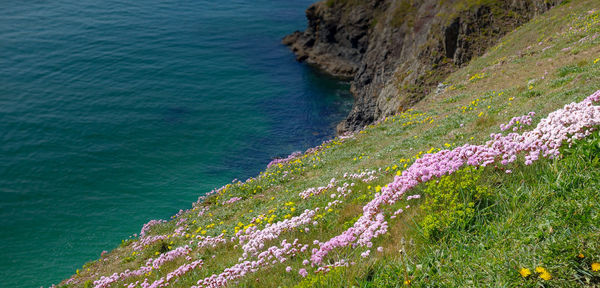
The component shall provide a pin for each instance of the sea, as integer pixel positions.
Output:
(113, 113)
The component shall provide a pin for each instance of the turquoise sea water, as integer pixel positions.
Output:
(114, 112)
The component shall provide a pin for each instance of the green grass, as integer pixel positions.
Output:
(540, 215)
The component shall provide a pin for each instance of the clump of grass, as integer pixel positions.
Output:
(530, 93)
(569, 69)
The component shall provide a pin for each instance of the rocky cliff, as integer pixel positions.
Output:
(396, 51)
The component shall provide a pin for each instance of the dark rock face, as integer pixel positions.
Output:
(397, 51)
(336, 40)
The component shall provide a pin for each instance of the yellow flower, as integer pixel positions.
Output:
(580, 255)
(544, 274)
(540, 269)
(525, 272)
(596, 266)
(596, 61)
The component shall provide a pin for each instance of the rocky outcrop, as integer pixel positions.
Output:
(396, 51)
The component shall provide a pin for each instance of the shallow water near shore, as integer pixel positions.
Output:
(114, 113)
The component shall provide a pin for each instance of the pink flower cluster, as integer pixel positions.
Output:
(202, 211)
(519, 121)
(168, 256)
(574, 121)
(105, 281)
(316, 191)
(327, 268)
(272, 255)
(147, 240)
(181, 221)
(232, 200)
(164, 281)
(365, 176)
(180, 231)
(253, 240)
(343, 190)
(209, 241)
(346, 136)
(149, 225)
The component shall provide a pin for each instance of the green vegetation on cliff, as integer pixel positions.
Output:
(496, 226)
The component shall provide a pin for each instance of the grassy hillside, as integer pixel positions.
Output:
(478, 226)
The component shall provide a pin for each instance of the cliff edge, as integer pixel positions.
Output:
(396, 52)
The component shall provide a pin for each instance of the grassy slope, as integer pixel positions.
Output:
(540, 215)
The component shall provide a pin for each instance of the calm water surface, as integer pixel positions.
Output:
(113, 113)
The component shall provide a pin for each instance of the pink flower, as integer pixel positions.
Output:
(232, 200)
(365, 254)
(302, 272)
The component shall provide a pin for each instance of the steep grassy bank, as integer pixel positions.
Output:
(477, 227)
